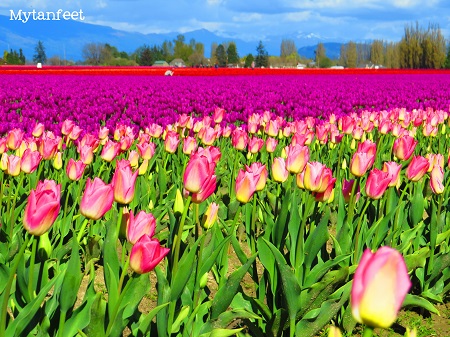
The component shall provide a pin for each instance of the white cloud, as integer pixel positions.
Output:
(244, 17)
(298, 16)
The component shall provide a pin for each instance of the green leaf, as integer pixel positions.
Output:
(225, 294)
(417, 207)
(290, 286)
(145, 320)
(185, 268)
(111, 270)
(25, 317)
(72, 279)
(317, 239)
(96, 325)
(417, 259)
(417, 301)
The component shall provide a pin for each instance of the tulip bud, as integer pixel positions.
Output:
(210, 215)
(178, 206)
(203, 281)
(334, 331)
(57, 161)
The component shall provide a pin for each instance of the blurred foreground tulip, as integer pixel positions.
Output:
(97, 199)
(42, 207)
(380, 285)
(146, 254)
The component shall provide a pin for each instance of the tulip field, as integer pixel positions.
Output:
(257, 204)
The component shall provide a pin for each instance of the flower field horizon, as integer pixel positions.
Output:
(330, 189)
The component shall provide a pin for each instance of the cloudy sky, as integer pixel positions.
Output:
(255, 19)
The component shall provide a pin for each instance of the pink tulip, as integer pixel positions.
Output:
(296, 158)
(417, 168)
(124, 182)
(316, 177)
(261, 170)
(146, 254)
(239, 139)
(171, 141)
(189, 145)
(89, 140)
(3, 146)
(272, 128)
(245, 185)
(435, 160)
(279, 171)
(125, 142)
(206, 190)
(377, 183)
(38, 130)
(110, 150)
(271, 144)
(67, 127)
(210, 216)
(218, 115)
(75, 132)
(13, 165)
(393, 169)
(75, 169)
(403, 147)
(103, 132)
(47, 146)
(198, 170)
(255, 144)
(379, 287)
(146, 150)
(360, 163)
(437, 180)
(86, 154)
(154, 130)
(42, 207)
(347, 187)
(141, 224)
(133, 158)
(14, 138)
(30, 161)
(97, 199)
(328, 194)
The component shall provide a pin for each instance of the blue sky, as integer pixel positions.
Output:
(255, 19)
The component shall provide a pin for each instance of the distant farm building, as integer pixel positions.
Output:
(178, 63)
(160, 64)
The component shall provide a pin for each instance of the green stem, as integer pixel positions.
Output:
(62, 321)
(6, 292)
(292, 327)
(116, 310)
(31, 270)
(299, 251)
(81, 231)
(13, 208)
(368, 332)
(177, 239)
(434, 228)
(232, 179)
(352, 203)
(358, 231)
(124, 273)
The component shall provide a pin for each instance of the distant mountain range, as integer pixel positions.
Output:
(67, 38)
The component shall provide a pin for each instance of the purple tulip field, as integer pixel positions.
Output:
(214, 206)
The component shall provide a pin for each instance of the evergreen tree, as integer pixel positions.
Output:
(39, 56)
(221, 56)
(248, 61)
(352, 55)
(232, 54)
(447, 59)
(262, 57)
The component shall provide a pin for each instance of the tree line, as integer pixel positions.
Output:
(419, 48)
